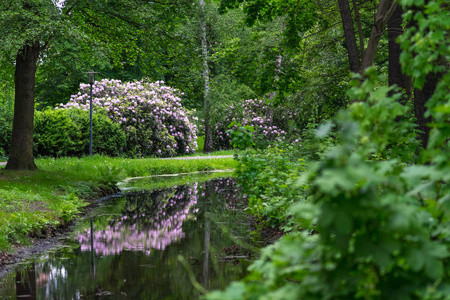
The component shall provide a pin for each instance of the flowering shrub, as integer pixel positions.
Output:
(270, 123)
(149, 113)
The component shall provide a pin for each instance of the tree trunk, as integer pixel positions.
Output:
(21, 151)
(360, 30)
(421, 98)
(384, 13)
(208, 146)
(350, 38)
(395, 75)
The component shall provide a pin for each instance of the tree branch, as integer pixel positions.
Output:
(359, 25)
(8, 6)
(390, 12)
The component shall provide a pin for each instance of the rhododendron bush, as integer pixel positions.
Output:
(150, 114)
(270, 123)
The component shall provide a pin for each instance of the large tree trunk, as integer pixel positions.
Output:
(395, 74)
(21, 151)
(350, 38)
(421, 97)
(208, 146)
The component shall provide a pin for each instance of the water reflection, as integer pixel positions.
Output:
(136, 241)
(152, 220)
(26, 283)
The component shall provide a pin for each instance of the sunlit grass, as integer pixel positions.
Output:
(90, 168)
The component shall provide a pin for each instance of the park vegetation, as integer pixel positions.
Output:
(341, 110)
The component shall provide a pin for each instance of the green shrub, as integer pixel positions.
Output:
(241, 136)
(200, 143)
(266, 177)
(66, 133)
(55, 134)
(6, 120)
(107, 137)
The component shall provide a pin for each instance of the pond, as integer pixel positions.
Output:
(165, 243)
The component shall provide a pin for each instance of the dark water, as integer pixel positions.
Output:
(156, 244)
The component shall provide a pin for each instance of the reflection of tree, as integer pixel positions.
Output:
(26, 283)
(207, 238)
(151, 220)
(229, 194)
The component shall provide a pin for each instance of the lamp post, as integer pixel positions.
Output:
(91, 83)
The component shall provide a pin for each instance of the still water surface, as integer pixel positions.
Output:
(149, 244)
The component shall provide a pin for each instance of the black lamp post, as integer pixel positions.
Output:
(91, 83)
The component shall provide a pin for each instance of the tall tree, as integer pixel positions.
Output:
(24, 39)
(395, 29)
(21, 151)
(350, 38)
(208, 146)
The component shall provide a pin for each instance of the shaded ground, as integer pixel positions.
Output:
(260, 235)
(38, 246)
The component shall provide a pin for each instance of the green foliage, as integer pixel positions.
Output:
(225, 91)
(314, 141)
(200, 143)
(66, 133)
(6, 120)
(241, 136)
(110, 176)
(299, 15)
(55, 134)
(107, 137)
(68, 207)
(426, 43)
(18, 216)
(266, 177)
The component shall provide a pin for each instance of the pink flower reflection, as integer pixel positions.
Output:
(165, 229)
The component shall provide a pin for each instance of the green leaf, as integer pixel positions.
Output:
(324, 129)
(434, 268)
(415, 259)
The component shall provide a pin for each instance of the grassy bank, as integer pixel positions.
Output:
(33, 203)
